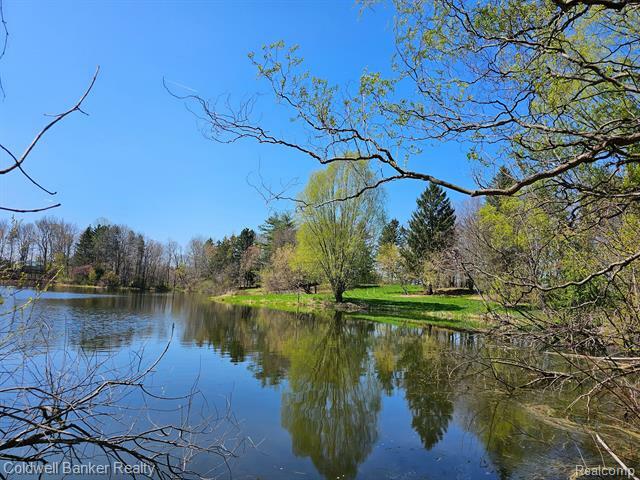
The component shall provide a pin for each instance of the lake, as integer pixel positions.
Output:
(326, 396)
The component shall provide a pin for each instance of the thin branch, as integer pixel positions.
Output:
(56, 119)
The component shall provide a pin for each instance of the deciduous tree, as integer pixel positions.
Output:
(335, 238)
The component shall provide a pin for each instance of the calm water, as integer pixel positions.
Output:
(327, 396)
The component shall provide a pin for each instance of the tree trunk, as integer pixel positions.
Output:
(338, 290)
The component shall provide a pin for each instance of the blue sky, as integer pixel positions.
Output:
(140, 157)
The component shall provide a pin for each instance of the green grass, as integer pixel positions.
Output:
(386, 304)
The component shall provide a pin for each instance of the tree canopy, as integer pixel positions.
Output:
(432, 224)
(391, 233)
(335, 239)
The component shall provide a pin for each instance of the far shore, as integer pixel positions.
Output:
(388, 303)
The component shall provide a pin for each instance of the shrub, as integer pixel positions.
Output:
(110, 279)
(81, 274)
(281, 275)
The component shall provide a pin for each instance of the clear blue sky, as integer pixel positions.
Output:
(140, 158)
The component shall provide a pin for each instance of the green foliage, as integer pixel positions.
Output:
(277, 231)
(335, 238)
(503, 179)
(110, 279)
(233, 261)
(389, 304)
(393, 265)
(95, 274)
(527, 241)
(84, 253)
(329, 406)
(432, 225)
(246, 238)
(432, 408)
(392, 233)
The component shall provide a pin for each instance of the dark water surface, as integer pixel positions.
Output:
(327, 396)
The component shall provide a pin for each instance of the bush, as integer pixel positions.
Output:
(281, 275)
(81, 274)
(110, 279)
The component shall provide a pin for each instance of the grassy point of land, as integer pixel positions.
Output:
(387, 304)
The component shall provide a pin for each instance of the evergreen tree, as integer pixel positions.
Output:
(85, 251)
(242, 245)
(277, 231)
(503, 179)
(431, 228)
(243, 241)
(391, 234)
(221, 257)
(101, 246)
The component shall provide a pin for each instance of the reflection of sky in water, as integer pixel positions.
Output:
(25, 293)
(321, 397)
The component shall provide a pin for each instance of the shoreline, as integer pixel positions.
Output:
(385, 304)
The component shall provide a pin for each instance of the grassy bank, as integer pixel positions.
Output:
(386, 303)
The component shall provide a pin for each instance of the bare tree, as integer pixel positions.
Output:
(27, 238)
(175, 260)
(64, 237)
(44, 239)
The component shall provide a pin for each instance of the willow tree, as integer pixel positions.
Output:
(335, 238)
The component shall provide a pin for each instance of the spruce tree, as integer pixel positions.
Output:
(503, 179)
(85, 248)
(243, 241)
(432, 225)
(391, 233)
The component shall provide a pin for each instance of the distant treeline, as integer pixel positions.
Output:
(337, 244)
(117, 256)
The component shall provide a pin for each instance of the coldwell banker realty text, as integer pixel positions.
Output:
(84, 469)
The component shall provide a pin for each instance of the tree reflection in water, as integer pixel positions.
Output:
(338, 368)
(331, 405)
(426, 388)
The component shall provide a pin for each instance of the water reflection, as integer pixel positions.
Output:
(354, 398)
(331, 405)
(426, 388)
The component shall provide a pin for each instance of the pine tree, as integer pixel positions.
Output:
(277, 231)
(391, 233)
(503, 179)
(243, 241)
(85, 248)
(432, 225)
